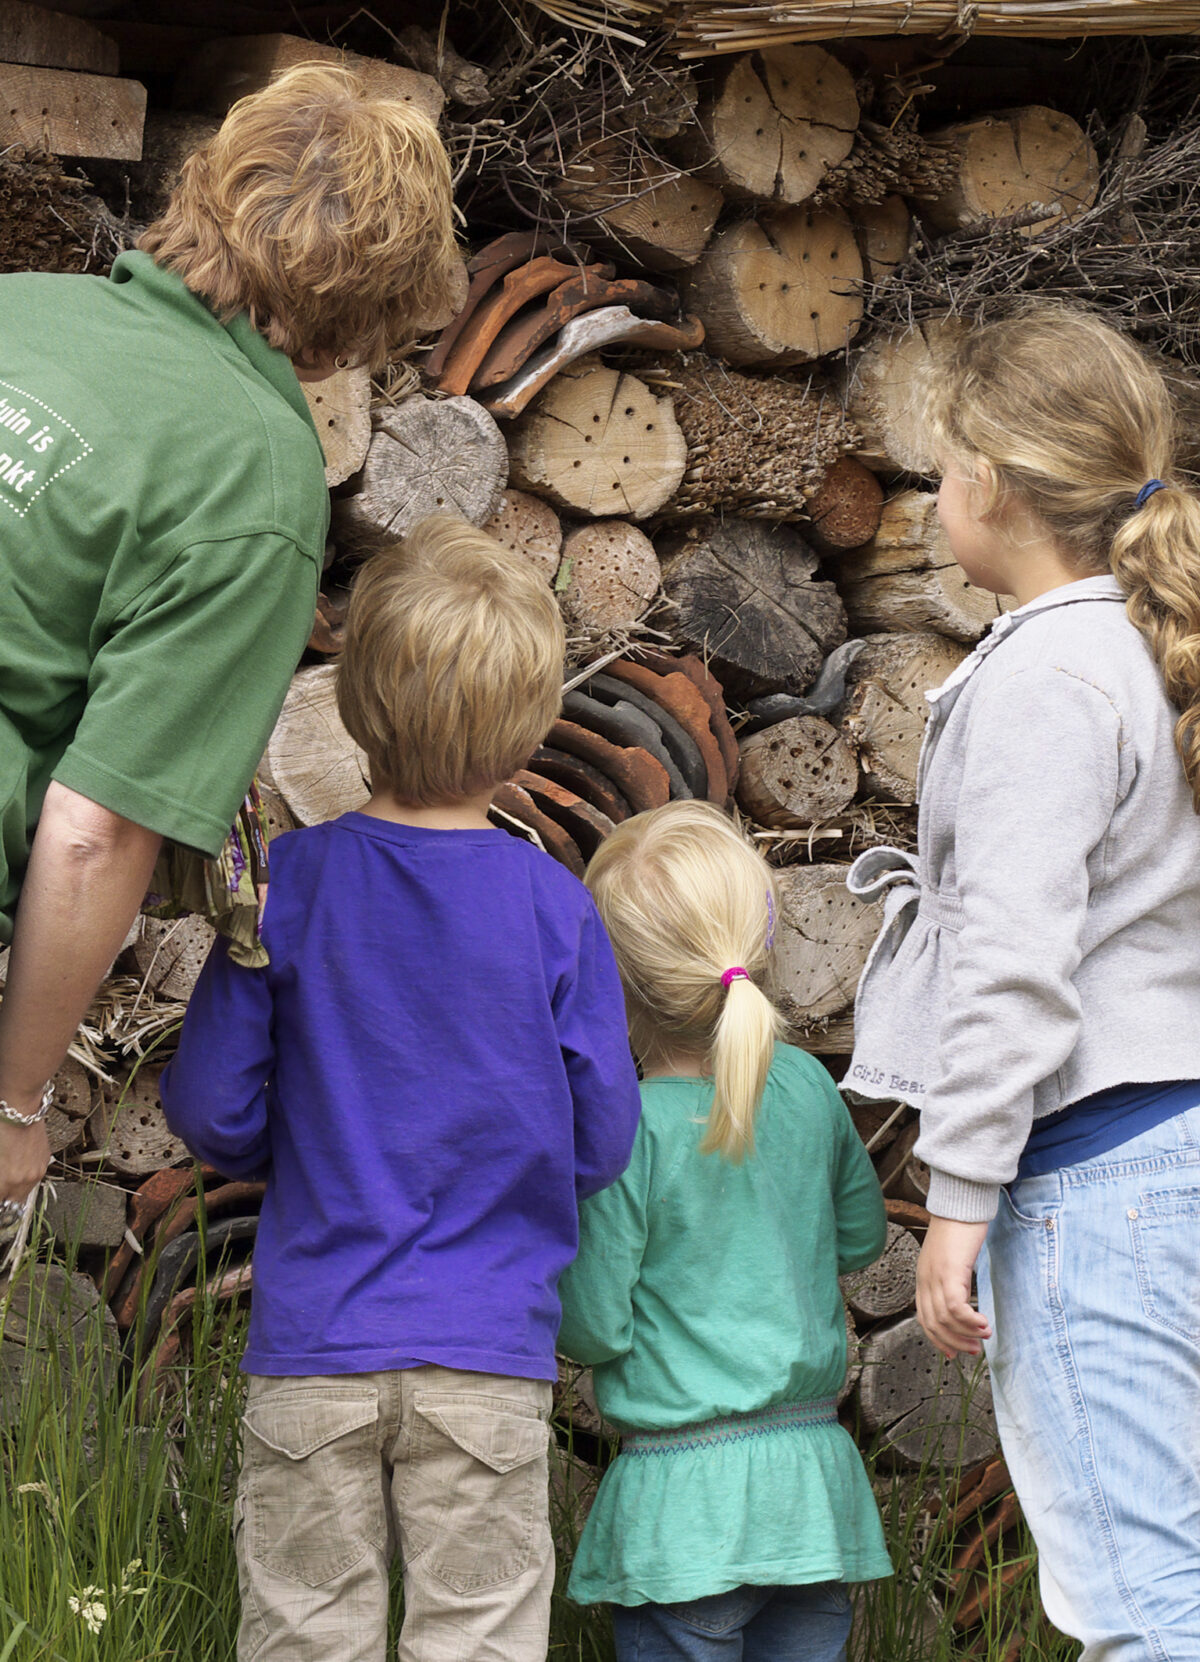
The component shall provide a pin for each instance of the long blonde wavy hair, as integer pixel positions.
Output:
(684, 898)
(1074, 420)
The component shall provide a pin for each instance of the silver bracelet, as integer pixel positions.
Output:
(10, 1114)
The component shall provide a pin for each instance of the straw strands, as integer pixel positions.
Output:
(704, 28)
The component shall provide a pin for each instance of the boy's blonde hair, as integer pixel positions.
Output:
(684, 899)
(325, 214)
(453, 664)
(1074, 420)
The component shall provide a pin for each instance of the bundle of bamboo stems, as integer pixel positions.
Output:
(704, 28)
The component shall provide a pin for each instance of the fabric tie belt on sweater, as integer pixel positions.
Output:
(731, 1428)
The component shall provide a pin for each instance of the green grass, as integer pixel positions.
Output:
(115, 1502)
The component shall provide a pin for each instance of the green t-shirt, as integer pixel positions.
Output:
(704, 1290)
(163, 514)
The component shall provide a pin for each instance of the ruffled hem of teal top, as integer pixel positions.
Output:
(783, 1509)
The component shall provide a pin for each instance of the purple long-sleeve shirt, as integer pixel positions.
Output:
(431, 1072)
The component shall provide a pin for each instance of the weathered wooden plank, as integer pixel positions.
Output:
(71, 114)
(52, 40)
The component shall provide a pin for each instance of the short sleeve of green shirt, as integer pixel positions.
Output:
(184, 693)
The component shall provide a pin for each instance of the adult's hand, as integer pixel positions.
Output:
(944, 1272)
(87, 876)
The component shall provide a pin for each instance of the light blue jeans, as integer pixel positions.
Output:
(749, 1624)
(1090, 1277)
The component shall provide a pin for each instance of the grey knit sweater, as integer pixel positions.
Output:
(1044, 943)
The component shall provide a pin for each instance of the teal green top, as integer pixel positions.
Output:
(163, 514)
(702, 1290)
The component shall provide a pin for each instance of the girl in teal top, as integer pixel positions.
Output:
(705, 1294)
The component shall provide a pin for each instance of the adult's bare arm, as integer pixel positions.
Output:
(88, 873)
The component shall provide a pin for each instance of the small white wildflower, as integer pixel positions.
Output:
(127, 1589)
(89, 1606)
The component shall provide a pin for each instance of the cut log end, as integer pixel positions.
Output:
(599, 443)
(610, 574)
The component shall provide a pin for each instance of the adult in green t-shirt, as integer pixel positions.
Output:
(163, 514)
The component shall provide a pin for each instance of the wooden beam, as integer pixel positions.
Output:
(71, 114)
(224, 70)
(50, 40)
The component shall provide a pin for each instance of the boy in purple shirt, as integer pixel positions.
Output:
(431, 1072)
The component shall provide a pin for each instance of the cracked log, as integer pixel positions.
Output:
(907, 578)
(746, 597)
(885, 711)
(780, 290)
(883, 389)
(659, 217)
(427, 456)
(888, 1287)
(775, 124)
(799, 772)
(927, 1409)
(822, 940)
(1013, 163)
(599, 443)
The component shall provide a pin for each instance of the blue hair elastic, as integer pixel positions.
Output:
(1148, 490)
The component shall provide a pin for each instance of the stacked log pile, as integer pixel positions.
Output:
(684, 379)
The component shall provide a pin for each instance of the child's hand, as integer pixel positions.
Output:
(944, 1271)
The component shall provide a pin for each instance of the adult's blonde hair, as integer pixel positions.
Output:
(1074, 420)
(452, 669)
(325, 214)
(684, 898)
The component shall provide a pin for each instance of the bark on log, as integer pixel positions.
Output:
(71, 114)
(798, 772)
(746, 598)
(884, 388)
(886, 710)
(782, 290)
(610, 574)
(598, 442)
(888, 1287)
(757, 447)
(341, 412)
(1016, 163)
(224, 70)
(143, 188)
(907, 578)
(821, 944)
(425, 457)
(776, 124)
(528, 526)
(318, 769)
(53, 40)
(926, 1409)
(659, 217)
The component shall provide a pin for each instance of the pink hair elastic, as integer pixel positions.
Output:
(734, 974)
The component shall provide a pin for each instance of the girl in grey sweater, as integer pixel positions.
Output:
(1035, 990)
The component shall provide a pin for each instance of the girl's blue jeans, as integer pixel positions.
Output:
(1091, 1279)
(749, 1624)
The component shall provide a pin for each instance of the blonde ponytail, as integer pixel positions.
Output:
(686, 901)
(1156, 560)
(1074, 421)
(742, 1047)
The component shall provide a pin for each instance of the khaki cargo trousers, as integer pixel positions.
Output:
(447, 1468)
